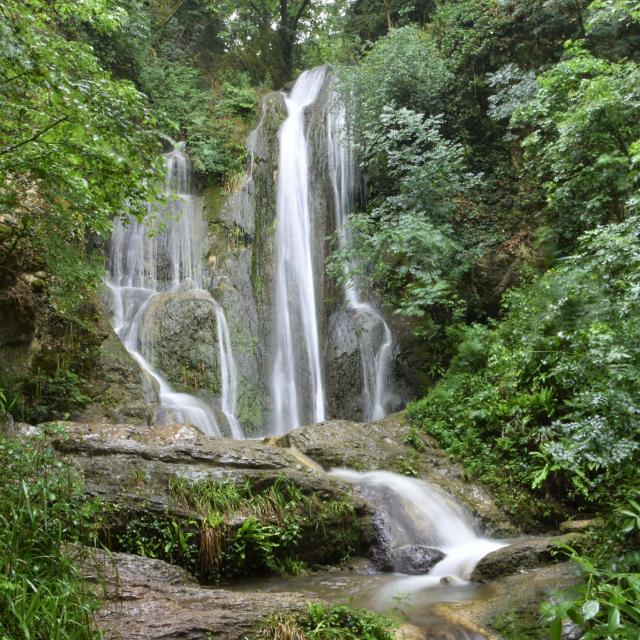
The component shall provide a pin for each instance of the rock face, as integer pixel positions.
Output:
(32, 339)
(241, 261)
(178, 337)
(131, 470)
(146, 599)
(524, 553)
(415, 559)
(380, 446)
(242, 242)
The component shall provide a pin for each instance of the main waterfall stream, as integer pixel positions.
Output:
(165, 254)
(296, 386)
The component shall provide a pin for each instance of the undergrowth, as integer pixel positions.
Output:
(324, 622)
(42, 596)
(236, 530)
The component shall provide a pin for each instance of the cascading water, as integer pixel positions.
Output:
(374, 336)
(417, 513)
(165, 254)
(297, 388)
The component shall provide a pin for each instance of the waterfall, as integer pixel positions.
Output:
(374, 336)
(417, 513)
(296, 381)
(164, 254)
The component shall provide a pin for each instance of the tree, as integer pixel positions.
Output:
(74, 143)
(263, 34)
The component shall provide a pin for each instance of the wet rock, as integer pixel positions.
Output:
(178, 337)
(381, 446)
(579, 526)
(234, 293)
(411, 632)
(523, 553)
(149, 599)
(415, 559)
(509, 608)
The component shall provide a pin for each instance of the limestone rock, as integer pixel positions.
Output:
(150, 599)
(415, 559)
(131, 468)
(523, 553)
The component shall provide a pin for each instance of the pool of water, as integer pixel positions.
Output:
(412, 598)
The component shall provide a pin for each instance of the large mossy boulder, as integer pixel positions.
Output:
(509, 608)
(178, 337)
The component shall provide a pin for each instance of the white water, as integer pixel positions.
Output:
(165, 254)
(296, 380)
(418, 513)
(374, 338)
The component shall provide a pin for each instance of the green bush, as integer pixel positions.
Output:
(42, 596)
(556, 408)
(336, 622)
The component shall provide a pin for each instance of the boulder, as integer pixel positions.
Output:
(580, 526)
(415, 559)
(178, 337)
(523, 553)
(148, 599)
(510, 607)
(381, 445)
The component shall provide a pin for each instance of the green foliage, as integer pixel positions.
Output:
(403, 69)
(584, 125)
(405, 241)
(74, 143)
(555, 407)
(212, 124)
(336, 622)
(608, 605)
(157, 536)
(42, 596)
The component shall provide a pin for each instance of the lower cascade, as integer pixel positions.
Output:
(164, 256)
(418, 516)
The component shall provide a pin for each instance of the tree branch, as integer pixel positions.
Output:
(33, 138)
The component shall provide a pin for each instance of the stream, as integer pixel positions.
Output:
(417, 516)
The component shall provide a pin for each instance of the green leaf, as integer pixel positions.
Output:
(555, 630)
(590, 609)
(614, 619)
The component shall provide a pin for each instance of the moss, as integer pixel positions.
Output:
(212, 201)
(250, 405)
(520, 625)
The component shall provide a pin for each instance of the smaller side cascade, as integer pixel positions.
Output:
(375, 340)
(163, 257)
